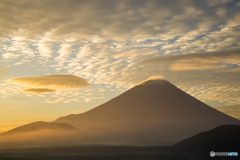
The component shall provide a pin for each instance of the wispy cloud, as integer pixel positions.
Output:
(155, 77)
(3, 70)
(218, 60)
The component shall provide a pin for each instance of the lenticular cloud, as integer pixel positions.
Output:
(37, 90)
(50, 83)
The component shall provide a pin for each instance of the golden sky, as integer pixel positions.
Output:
(60, 57)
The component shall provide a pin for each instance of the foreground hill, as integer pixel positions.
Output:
(41, 126)
(224, 138)
(154, 112)
(41, 134)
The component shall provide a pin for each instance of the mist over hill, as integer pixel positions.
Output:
(153, 113)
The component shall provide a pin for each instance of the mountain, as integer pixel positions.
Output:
(223, 138)
(41, 134)
(41, 126)
(155, 112)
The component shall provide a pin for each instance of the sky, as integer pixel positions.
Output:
(60, 57)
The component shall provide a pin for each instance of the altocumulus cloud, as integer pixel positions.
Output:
(50, 83)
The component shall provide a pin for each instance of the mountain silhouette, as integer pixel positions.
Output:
(155, 112)
(223, 138)
(39, 133)
(41, 126)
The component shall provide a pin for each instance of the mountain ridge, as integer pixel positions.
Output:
(224, 138)
(40, 125)
(152, 106)
(155, 112)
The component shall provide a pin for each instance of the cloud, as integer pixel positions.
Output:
(61, 100)
(152, 78)
(3, 70)
(215, 93)
(38, 90)
(135, 52)
(50, 83)
(155, 77)
(10, 55)
(58, 100)
(218, 2)
(231, 110)
(108, 37)
(218, 60)
(195, 64)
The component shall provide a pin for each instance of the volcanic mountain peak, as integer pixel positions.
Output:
(155, 112)
(154, 82)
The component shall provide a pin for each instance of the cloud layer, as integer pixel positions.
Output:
(50, 83)
(38, 90)
(103, 40)
(227, 60)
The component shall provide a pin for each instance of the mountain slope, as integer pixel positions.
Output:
(223, 138)
(153, 111)
(41, 134)
(41, 126)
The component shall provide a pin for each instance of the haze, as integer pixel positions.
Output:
(98, 49)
